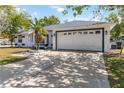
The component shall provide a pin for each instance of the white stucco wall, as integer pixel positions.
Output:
(106, 27)
(28, 40)
(54, 40)
(50, 35)
(107, 44)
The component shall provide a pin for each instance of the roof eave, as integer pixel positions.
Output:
(103, 25)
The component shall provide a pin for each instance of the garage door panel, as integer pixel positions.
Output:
(80, 41)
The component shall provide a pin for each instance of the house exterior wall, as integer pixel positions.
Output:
(54, 40)
(28, 40)
(50, 39)
(106, 36)
(107, 44)
(16, 41)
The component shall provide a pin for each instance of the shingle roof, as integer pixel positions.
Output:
(26, 32)
(73, 23)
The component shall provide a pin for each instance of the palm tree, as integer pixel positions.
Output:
(40, 32)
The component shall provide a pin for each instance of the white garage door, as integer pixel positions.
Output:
(80, 40)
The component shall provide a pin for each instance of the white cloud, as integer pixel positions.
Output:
(58, 9)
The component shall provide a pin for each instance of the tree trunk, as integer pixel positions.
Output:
(11, 40)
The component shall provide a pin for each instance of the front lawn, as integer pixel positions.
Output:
(5, 55)
(6, 52)
(115, 68)
(11, 59)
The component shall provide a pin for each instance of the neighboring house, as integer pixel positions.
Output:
(4, 42)
(117, 44)
(25, 38)
(75, 35)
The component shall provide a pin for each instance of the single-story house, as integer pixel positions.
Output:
(75, 35)
(4, 42)
(117, 44)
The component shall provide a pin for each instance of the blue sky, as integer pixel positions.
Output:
(40, 11)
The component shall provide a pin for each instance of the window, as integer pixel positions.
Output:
(90, 32)
(23, 44)
(85, 32)
(69, 33)
(51, 35)
(80, 32)
(65, 33)
(23, 36)
(97, 32)
(15, 36)
(51, 44)
(20, 40)
(106, 32)
(74, 33)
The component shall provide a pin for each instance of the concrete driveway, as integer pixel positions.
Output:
(57, 69)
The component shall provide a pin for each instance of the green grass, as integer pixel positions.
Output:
(115, 68)
(11, 59)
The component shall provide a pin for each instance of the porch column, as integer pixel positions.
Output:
(54, 40)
